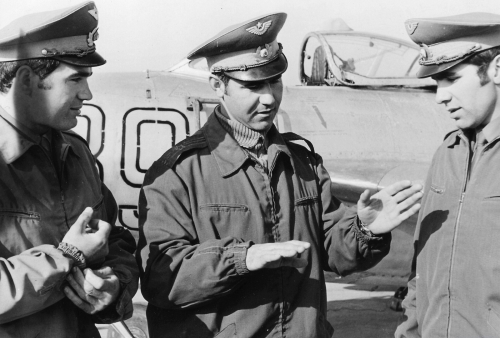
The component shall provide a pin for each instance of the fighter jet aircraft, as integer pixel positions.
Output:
(359, 103)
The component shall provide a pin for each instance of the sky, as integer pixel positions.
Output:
(136, 35)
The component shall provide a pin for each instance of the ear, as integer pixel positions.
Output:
(218, 86)
(25, 80)
(496, 70)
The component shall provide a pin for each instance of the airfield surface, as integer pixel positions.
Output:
(362, 309)
(358, 306)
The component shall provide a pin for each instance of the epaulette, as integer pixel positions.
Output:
(196, 141)
(78, 136)
(295, 137)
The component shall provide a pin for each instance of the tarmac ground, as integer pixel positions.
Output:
(359, 306)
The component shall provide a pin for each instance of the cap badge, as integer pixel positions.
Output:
(411, 27)
(93, 36)
(260, 28)
(264, 51)
(423, 53)
(94, 14)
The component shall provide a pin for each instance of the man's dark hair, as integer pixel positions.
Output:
(224, 78)
(41, 67)
(483, 60)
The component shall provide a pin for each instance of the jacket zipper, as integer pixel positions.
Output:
(455, 235)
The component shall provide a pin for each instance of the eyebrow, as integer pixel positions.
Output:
(261, 82)
(81, 73)
(443, 75)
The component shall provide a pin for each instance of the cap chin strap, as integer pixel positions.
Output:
(244, 68)
(223, 103)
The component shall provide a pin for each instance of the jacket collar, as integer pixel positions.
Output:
(492, 130)
(228, 153)
(16, 139)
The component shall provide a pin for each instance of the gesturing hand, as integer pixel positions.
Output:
(90, 236)
(274, 255)
(388, 208)
(92, 290)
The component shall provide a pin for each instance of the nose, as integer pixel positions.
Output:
(443, 96)
(85, 93)
(266, 96)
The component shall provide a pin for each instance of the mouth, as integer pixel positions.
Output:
(266, 112)
(452, 110)
(76, 109)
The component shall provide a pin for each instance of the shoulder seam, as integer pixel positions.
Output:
(196, 141)
(289, 136)
(76, 135)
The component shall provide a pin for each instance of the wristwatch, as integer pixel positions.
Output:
(74, 253)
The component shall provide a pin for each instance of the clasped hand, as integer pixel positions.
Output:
(92, 290)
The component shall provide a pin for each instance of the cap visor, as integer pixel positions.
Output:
(262, 73)
(90, 60)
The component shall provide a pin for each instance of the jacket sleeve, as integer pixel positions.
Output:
(347, 248)
(177, 271)
(31, 280)
(121, 259)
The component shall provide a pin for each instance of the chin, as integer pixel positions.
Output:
(67, 126)
(261, 127)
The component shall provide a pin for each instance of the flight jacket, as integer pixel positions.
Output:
(40, 199)
(205, 201)
(454, 290)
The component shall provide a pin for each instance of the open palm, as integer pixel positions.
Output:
(389, 207)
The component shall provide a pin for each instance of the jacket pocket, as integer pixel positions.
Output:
(20, 231)
(19, 214)
(437, 189)
(219, 220)
(308, 200)
(223, 207)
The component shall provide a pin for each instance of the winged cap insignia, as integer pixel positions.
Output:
(260, 28)
(93, 36)
(411, 27)
(94, 13)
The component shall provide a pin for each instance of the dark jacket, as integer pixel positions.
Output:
(455, 289)
(204, 202)
(39, 201)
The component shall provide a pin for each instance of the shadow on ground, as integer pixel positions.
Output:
(359, 305)
(363, 318)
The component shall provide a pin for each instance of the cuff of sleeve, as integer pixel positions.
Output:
(240, 257)
(122, 307)
(364, 235)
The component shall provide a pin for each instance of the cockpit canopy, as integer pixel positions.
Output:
(354, 58)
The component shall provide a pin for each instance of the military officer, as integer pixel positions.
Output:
(454, 289)
(238, 222)
(64, 265)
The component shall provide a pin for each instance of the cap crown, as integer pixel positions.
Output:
(68, 35)
(247, 51)
(447, 41)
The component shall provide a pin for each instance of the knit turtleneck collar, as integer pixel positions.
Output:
(246, 137)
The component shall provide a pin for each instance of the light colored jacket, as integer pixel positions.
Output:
(39, 201)
(204, 202)
(455, 288)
